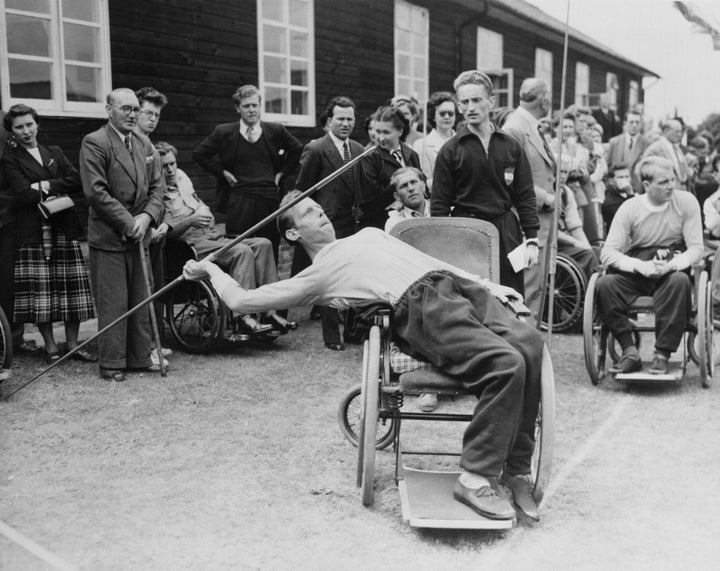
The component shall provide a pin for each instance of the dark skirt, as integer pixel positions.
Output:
(52, 290)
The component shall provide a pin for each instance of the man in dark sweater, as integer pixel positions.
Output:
(483, 173)
(251, 162)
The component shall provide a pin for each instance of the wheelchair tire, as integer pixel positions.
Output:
(595, 335)
(369, 415)
(705, 330)
(349, 418)
(195, 315)
(568, 296)
(544, 430)
(6, 348)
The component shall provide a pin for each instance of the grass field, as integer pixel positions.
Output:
(235, 461)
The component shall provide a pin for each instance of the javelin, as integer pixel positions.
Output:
(250, 231)
(548, 288)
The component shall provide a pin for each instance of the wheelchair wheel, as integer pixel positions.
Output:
(595, 335)
(195, 315)
(705, 330)
(368, 416)
(568, 296)
(349, 419)
(6, 348)
(544, 430)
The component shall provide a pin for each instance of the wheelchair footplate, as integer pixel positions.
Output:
(426, 497)
(675, 373)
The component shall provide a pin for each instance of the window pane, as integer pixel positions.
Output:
(419, 44)
(274, 39)
(402, 14)
(275, 70)
(82, 84)
(403, 40)
(419, 67)
(299, 102)
(81, 10)
(403, 64)
(38, 6)
(299, 72)
(299, 13)
(30, 79)
(28, 36)
(403, 86)
(299, 44)
(82, 43)
(418, 20)
(418, 90)
(276, 100)
(273, 10)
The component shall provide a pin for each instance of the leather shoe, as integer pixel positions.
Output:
(660, 364)
(335, 346)
(112, 374)
(248, 324)
(522, 492)
(427, 402)
(279, 323)
(485, 501)
(28, 348)
(627, 364)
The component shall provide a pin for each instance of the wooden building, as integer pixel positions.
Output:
(63, 58)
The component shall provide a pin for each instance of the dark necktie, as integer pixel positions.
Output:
(128, 143)
(250, 136)
(398, 157)
(630, 145)
(547, 150)
(346, 152)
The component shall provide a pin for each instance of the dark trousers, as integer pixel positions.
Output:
(156, 252)
(8, 253)
(671, 298)
(458, 326)
(585, 260)
(244, 211)
(118, 284)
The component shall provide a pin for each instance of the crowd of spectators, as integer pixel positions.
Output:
(447, 158)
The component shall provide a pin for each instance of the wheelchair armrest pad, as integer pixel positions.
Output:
(519, 308)
(430, 380)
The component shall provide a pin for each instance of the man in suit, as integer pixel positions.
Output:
(627, 148)
(124, 189)
(320, 158)
(523, 124)
(607, 118)
(252, 161)
(668, 147)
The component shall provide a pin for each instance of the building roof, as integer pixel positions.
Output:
(549, 27)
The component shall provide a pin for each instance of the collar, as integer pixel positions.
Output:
(244, 127)
(122, 137)
(534, 123)
(337, 142)
(464, 131)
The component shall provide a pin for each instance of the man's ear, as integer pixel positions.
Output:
(291, 235)
(395, 195)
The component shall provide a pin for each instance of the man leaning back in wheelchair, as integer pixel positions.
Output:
(654, 238)
(187, 218)
(455, 320)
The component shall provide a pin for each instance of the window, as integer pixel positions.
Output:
(633, 93)
(489, 50)
(612, 87)
(55, 56)
(286, 48)
(412, 32)
(582, 84)
(544, 66)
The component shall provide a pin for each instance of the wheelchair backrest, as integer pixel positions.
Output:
(470, 244)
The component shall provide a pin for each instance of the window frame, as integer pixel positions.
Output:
(541, 52)
(586, 85)
(59, 106)
(292, 120)
(498, 66)
(421, 97)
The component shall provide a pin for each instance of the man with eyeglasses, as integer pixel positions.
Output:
(122, 182)
(483, 173)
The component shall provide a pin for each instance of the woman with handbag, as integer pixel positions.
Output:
(51, 281)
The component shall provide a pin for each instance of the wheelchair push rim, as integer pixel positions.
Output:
(349, 420)
(195, 316)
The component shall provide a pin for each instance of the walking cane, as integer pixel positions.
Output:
(153, 317)
(249, 232)
(548, 288)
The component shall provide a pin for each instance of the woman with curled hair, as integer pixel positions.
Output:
(51, 282)
(375, 192)
(442, 114)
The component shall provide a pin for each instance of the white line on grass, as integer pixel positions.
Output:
(37, 550)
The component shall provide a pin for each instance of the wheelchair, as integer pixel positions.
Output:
(568, 298)
(697, 345)
(371, 414)
(6, 348)
(196, 316)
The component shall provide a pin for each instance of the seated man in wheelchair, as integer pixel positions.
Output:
(441, 314)
(251, 262)
(653, 238)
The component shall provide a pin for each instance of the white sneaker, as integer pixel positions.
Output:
(156, 360)
(427, 402)
(165, 351)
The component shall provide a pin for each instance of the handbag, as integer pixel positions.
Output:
(54, 205)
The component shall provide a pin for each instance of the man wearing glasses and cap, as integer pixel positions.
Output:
(123, 185)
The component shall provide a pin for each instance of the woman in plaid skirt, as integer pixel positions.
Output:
(51, 282)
